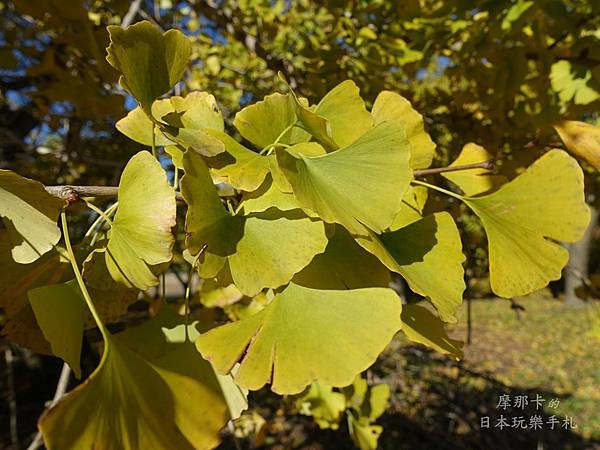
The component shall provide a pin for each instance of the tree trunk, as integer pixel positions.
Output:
(577, 268)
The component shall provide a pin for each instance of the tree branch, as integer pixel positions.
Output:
(480, 165)
(74, 194)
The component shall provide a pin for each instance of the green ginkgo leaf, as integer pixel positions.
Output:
(411, 208)
(29, 214)
(343, 265)
(390, 106)
(267, 196)
(339, 119)
(323, 404)
(474, 181)
(60, 310)
(262, 250)
(174, 401)
(195, 111)
(150, 62)
(423, 327)
(266, 121)
(356, 186)
(239, 166)
(546, 201)
(140, 234)
(428, 254)
(137, 126)
(305, 335)
(364, 435)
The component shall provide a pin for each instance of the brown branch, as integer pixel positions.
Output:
(480, 165)
(74, 193)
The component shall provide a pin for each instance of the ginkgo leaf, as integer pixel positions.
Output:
(339, 119)
(364, 435)
(390, 106)
(323, 404)
(174, 401)
(263, 122)
(356, 186)
(29, 214)
(165, 334)
(262, 250)
(546, 201)
(140, 234)
(267, 196)
(573, 82)
(150, 62)
(581, 139)
(411, 208)
(19, 324)
(428, 255)
(305, 335)
(195, 111)
(176, 155)
(474, 181)
(423, 327)
(343, 265)
(346, 113)
(241, 167)
(59, 310)
(137, 126)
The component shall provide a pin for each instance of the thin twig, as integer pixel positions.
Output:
(133, 10)
(480, 165)
(61, 389)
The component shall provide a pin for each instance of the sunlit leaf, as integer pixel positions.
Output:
(140, 234)
(239, 166)
(573, 83)
(263, 122)
(546, 201)
(60, 310)
(267, 196)
(581, 139)
(29, 214)
(428, 254)
(150, 62)
(364, 435)
(421, 326)
(137, 126)
(390, 106)
(323, 404)
(411, 208)
(339, 119)
(474, 181)
(355, 186)
(305, 335)
(263, 250)
(129, 402)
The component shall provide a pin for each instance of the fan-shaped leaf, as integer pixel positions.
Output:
(241, 167)
(474, 181)
(428, 254)
(582, 140)
(140, 234)
(29, 214)
(323, 404)
(150, 62)
(305, 335)
(546, 201)
(262, 251)
(329, 184)
(263, 122)
(390, 106)
(421, 326)
(128, 402)
(59, 310)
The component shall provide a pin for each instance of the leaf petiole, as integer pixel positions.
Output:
(439, 189)
(79, 277)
